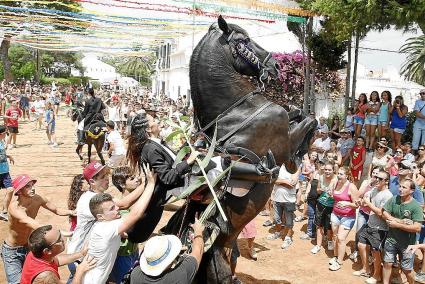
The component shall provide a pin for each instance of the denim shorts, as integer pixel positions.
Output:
(13, 261)
(383, 123)
(5, 180)
(358, 120)
(346, 222)
(284, 207)
(399, 130)
(392, 250)
(371, 119)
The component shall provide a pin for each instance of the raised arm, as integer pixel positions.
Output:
(54, 209)
(23, 218)
(142, 203)
(130, 198)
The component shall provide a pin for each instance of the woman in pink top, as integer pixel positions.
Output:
(343, 215)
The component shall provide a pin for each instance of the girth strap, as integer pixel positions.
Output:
(237, 103)
(243, 123)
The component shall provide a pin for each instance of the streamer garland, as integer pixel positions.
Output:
(101, 29)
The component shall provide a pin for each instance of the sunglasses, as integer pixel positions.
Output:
(421, 149)
(399, 152)
(380, 178)
(380, 147)
(422, 93)
(59, 240)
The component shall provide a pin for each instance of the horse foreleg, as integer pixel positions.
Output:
(78, 151)
(89, 152)
(301, 135)
(99, 153)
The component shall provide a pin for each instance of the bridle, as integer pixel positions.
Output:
(240, 48)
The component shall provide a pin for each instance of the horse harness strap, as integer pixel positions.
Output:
(234, 105)
(244, 123)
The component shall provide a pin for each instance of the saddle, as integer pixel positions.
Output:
(255, 170)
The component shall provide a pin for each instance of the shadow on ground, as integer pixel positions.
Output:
(248, 279)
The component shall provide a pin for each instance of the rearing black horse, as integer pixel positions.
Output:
(222, 92)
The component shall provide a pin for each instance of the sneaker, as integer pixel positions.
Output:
(353, 256)
(264, 213)
(330, 245)
(333, 260)
(335, 266)
(50, 143)
(306, 237)
(55, 145)
(420, 277)
(267, 223)
(361, 273)
(300, 218)
(372, 280)
(253, 254)
(274, 236)
(315, 249)
(4, 217)
(10, 146)
(287, 243)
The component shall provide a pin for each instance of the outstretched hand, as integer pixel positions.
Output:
(150, 174)
(89, 262)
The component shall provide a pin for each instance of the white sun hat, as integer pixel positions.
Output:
(159, 253)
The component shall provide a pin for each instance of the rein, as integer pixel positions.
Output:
(241, 48)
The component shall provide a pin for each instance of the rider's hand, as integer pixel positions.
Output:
(150, 174)
(198, 227)
(192, 157)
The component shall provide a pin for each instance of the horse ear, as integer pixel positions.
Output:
(222, 24)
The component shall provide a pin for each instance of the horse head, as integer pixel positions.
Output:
(248, 57)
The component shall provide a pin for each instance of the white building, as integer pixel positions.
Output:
(97, 70)
(172, 70)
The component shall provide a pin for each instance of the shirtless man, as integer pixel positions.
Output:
(22, 213)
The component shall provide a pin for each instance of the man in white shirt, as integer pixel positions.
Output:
(97, 175)
(284, 198)
(105, 237)
(321, 144)
(116, 150)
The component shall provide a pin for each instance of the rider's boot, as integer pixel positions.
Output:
(263, 172)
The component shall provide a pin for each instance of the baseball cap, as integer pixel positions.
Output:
(21, 181)
(92, 169)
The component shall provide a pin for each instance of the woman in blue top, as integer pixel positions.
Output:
(383, 116)
(398, 121)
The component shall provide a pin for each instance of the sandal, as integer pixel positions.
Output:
(300, 218)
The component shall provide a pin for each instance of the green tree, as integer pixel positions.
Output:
(414, 67)
(13, 29)
(22, 62)
(137, 67)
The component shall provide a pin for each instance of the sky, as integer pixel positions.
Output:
(375, 60)
(386, 40)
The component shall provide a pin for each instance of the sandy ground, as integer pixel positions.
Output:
(54, 169)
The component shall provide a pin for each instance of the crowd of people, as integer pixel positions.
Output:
(359, 174)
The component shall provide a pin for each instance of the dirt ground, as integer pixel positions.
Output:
(54, 169)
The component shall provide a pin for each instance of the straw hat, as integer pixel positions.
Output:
(159, 253)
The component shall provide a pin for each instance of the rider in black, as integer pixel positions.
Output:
(92, 112)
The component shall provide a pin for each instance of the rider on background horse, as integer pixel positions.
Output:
(91, 114)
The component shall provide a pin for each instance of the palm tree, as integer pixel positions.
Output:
(414, 67)
(139, 68)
